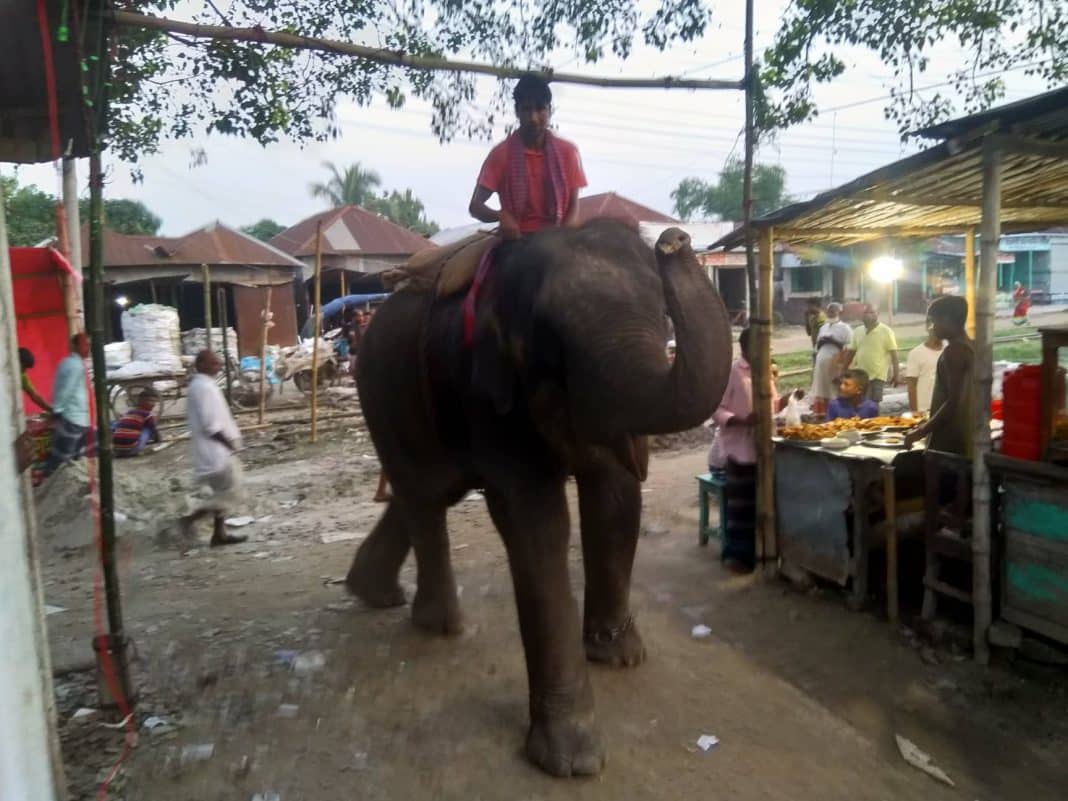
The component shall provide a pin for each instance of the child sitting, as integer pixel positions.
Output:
(135, 429)
(851, 401)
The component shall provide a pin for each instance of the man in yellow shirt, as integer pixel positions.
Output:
(874, 350)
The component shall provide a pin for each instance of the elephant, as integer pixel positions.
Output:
(564, 374)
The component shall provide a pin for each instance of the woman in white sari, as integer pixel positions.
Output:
(834, 336)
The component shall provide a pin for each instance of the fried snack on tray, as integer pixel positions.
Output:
(813, 432)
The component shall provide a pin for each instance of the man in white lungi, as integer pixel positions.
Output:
(214, 440)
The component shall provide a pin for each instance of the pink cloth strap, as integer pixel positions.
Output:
(471, 298)
(515, 194)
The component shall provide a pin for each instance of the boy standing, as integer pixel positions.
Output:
(920, 371)
(950, 427)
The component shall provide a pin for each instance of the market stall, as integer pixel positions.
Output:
(838, 499)
(1003, 170)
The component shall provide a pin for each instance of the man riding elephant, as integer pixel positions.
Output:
(535, 174)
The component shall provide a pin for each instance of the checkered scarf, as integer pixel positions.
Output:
(515, 194)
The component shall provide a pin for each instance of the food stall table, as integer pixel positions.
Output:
(818, 491)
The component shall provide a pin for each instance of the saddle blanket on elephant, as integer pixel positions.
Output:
(447, 270)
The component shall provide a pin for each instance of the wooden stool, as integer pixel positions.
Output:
(707, 484)
(947, 526)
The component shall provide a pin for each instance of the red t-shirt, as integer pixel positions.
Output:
(537, 215)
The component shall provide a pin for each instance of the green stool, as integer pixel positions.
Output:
(714, 482)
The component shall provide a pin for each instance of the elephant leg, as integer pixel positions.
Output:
(376, 567)
(610, 503)
(435, 608)
(563, 738)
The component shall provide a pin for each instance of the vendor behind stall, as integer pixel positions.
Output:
(950, 427)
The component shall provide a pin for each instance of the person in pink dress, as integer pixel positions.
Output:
(735, 450)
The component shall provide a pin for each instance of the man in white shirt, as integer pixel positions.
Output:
(72, 430)
(214, 440)
(920, 371)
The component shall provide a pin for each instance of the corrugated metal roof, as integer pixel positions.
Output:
(1044, 115)
(609, 204)
(350, 230)
(215, 245)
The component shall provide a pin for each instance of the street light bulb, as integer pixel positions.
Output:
(122, 301)
(885, 269)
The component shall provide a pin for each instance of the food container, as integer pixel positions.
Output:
(835, 443)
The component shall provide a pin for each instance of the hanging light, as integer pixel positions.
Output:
(885, 269)
(122, 301)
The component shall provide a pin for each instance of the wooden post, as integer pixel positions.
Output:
(344, 283)
(984, 376)
(890, 505)
(969, 278)
(206, 273)
(767, 544)
(73, 288)
(747, 177)
(318, 327)
(263, 353)
(224, 323)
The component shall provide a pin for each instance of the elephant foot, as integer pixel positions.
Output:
(619, 646)
(439, 615)
(566, 746)
(374, 591)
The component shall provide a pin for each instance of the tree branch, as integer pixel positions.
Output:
(400, 59)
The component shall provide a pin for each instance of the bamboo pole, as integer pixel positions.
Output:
(890, 504)
(206, 274)
(318, 328)
(224, 323)
(984, 376)
(969, 278)
(115, 640)
(399, 59)
(747, 178)
(767, 545)
(263, 354)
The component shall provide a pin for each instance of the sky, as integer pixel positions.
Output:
(639, 143)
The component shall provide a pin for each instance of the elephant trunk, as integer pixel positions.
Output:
(649, 396)
(698, 377)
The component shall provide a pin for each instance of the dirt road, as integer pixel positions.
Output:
(301, 693)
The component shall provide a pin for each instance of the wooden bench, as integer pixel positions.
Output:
(707, 484)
